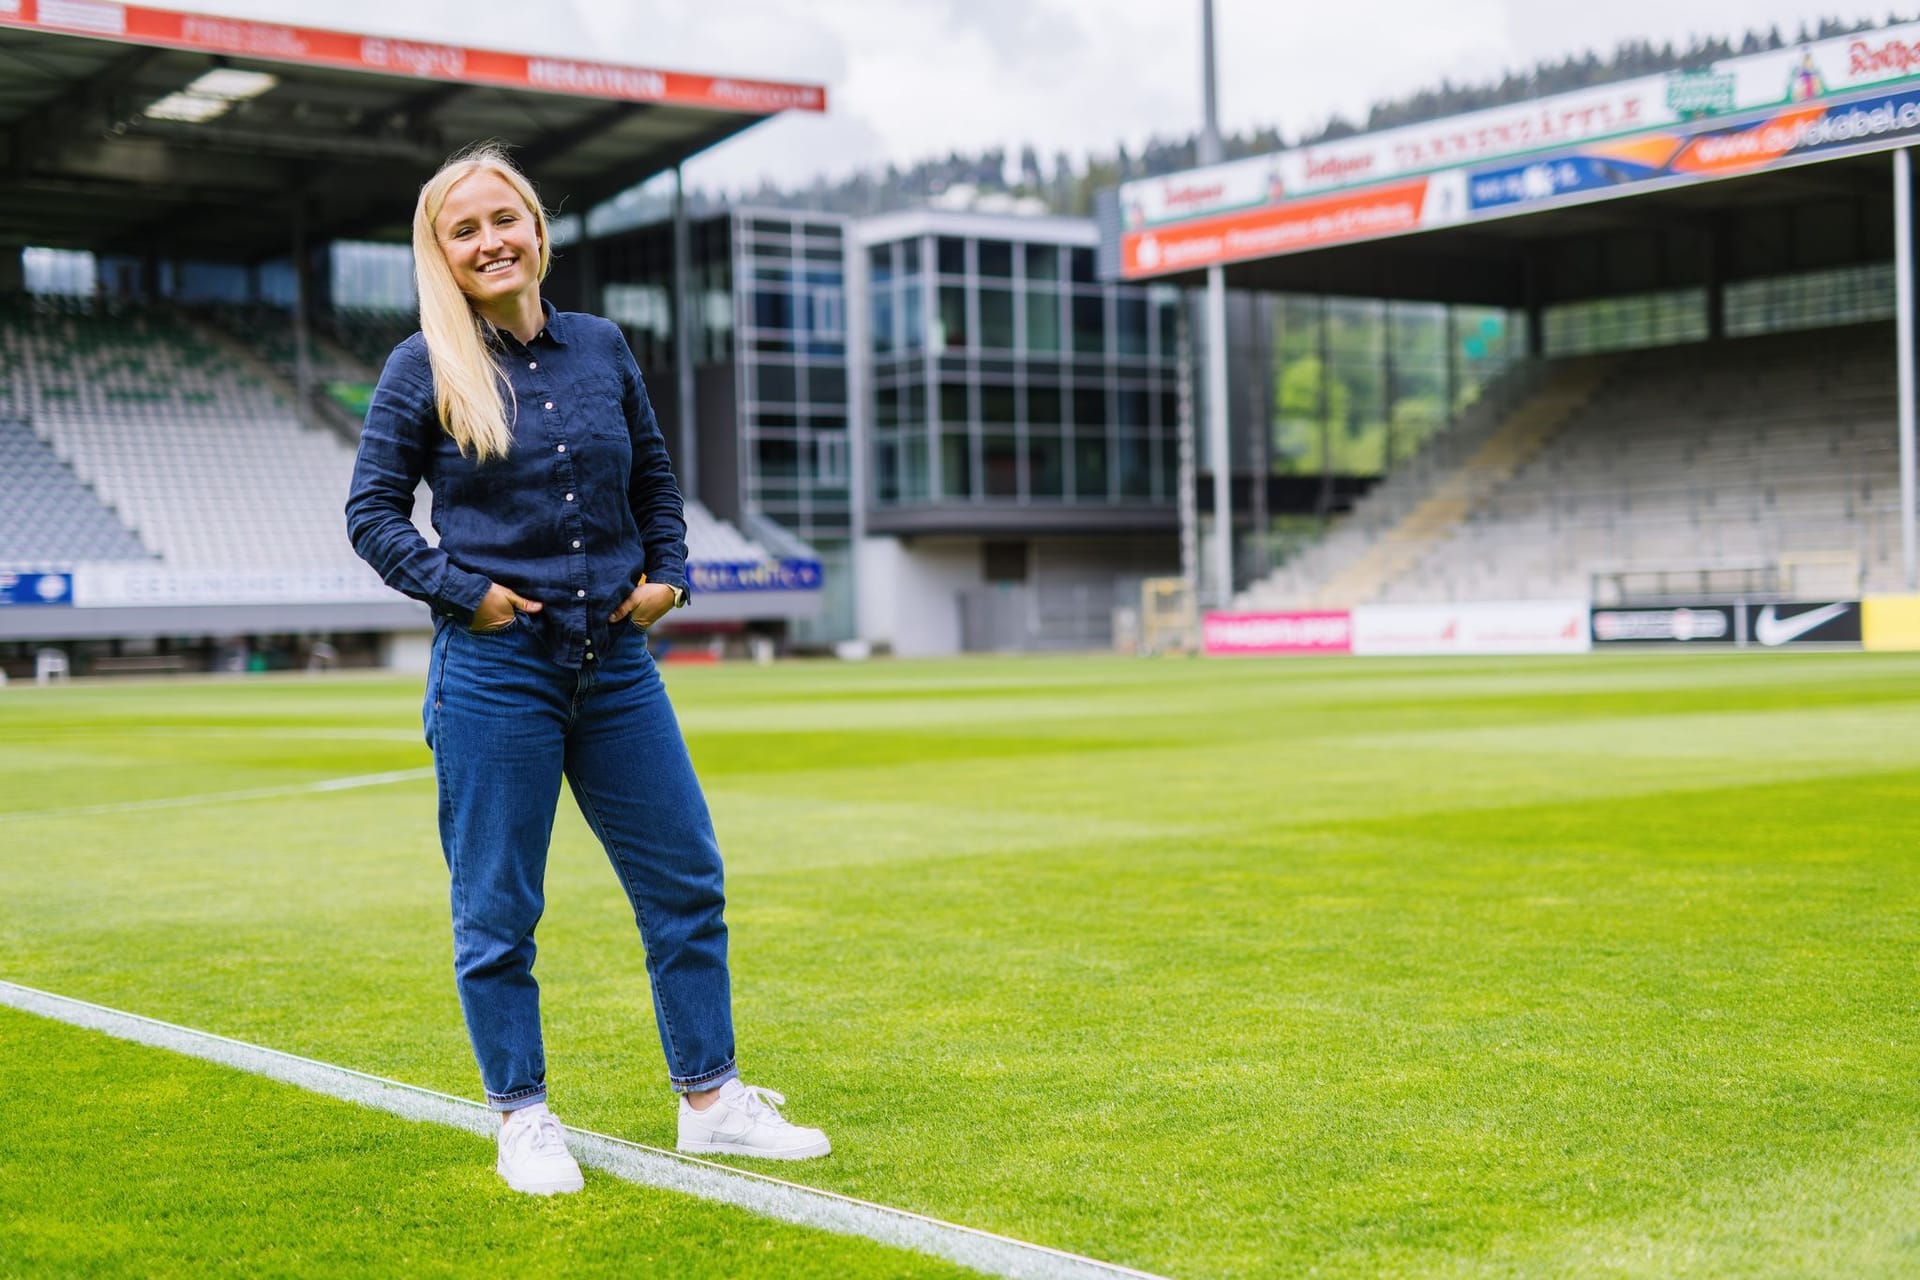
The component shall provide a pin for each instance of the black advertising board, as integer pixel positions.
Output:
(1667, 624)
(1825, 622)
(1770, 626)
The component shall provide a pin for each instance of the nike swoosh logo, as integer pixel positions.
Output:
(1769, 629)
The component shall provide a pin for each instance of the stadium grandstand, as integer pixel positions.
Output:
(1707, 274)
(179, 394)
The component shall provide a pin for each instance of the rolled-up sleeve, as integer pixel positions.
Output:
(658, 509)
(402, 425)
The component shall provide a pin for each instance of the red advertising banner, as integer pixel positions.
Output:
(311, 46)
(1267, 634)
(1312, 223)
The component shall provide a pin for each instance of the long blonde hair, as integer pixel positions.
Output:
(471, 391)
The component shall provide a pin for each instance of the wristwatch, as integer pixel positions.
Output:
(679, 596)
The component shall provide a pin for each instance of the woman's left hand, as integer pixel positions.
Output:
(646, 604)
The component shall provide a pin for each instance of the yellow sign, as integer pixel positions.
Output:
(1891, 622)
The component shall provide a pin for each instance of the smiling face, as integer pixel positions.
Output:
(490, 239)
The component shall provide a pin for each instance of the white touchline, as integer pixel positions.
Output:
(224, 797)
(770, 1197)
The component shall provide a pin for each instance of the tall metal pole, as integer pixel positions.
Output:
(686, 461)
(1218, 446)
(1903, 329)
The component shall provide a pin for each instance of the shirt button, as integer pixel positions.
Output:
(533, 364)
(569, 497)
(576, 544)
(549, 404)
(563, 448)
(581, 594)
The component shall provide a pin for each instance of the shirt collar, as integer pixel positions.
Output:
(554, 330)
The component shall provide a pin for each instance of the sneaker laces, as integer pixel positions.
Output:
(543, 1133)
(763, 1104)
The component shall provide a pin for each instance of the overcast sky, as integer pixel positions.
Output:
(911, 78)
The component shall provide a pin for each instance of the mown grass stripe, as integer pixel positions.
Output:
(759, 1193)
(324, 785)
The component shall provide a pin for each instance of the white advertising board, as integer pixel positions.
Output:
(1525, 626)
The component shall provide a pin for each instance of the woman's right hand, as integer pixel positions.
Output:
(497, 609)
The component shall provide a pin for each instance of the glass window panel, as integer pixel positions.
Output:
(954, 409)
(880, 263)
(913, 467)
(953, 256)
(1043, 262)
(1136, 460)
(996, 259)
(956, 466)
(1000, 460)
(886, 471)
(886, 407)
(1130, 324)
(1083, 267)
(996, 403)
(910, 257)
(882, 320)
(1169, 478)
(913, 405)
(1089, 324)
(1133, 408)
(914, 320)
(1170, 410)
(776, 382)
(953, 317)
(1090, 407)
(1169, 321)
(1043, 406)
(1046, 471)
(996, 319)
(773, 309)
(1090, 467)
(1043, 320)
(776, 460)
(827, 385)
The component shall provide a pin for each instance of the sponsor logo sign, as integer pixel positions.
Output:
(1700, 93)
(35, 589)
(1530, 626)
(1774, 625)
(135, 586)
(1684, 624)
(1250, 634)
(1890, 622)
(754, 575)
(316, 47)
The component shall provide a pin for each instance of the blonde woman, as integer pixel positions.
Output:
(562, 538)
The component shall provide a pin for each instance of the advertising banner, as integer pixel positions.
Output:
(137, 585)
(312, 46)
(1799, 103)
(1828, 622)
(35, 589)
(1272, 634)
(1890, 622)
(1679, 624)
(754, 575)
(1527, 626)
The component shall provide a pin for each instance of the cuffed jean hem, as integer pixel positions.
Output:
(711, 1080)
(514, 1101)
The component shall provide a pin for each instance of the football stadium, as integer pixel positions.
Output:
(1355, 712)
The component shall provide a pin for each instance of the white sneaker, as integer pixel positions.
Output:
(533, 1153)
(743, 1121)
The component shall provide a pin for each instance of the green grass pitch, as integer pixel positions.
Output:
(1596, 967)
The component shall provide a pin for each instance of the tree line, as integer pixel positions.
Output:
(1067, 186)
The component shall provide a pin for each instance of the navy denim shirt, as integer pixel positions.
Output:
(582, 504)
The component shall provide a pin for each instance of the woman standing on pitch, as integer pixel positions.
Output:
(562, 538)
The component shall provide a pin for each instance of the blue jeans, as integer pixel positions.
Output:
(506, 723)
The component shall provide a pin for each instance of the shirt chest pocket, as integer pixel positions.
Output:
(596, 410)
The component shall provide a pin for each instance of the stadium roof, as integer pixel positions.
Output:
(1759, 165)
(159, 133)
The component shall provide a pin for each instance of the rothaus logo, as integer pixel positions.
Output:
(414, 59)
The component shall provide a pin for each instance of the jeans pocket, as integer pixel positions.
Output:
(502, 629)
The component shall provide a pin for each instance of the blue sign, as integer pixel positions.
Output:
(754, 575)
(1545, 179)
(36, 588)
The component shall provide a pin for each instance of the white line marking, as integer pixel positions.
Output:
(759, 1193)
(223, 797)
